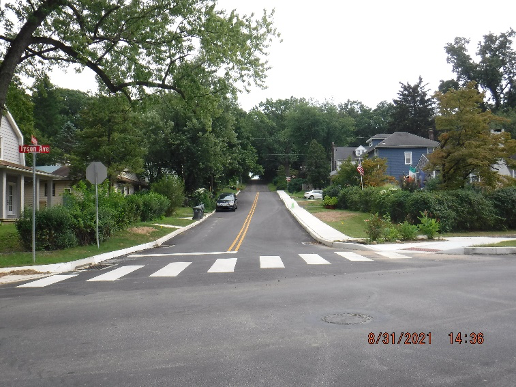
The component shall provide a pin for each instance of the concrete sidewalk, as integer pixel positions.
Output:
(45, 270)
(328, 236)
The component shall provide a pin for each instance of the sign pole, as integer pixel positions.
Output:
(97, 204)
(96, 173)
(34, 207)
(34, 148)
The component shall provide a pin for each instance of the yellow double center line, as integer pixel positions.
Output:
(241, 235)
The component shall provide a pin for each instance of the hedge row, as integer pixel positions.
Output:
(74, 223)
(457, 210)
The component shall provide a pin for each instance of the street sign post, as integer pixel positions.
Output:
(34, 148)
(96, 173)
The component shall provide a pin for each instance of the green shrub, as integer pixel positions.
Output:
(395, 205)
(134, 208)
(353, 198)
(374, 227)
(428, 226)
(330, 201)
(408, 231)
(53, 229)
(203, 196)
(504, 203)
(173, 188)
(474, 210)
(333, 191)
(154, 206)
(295, 185)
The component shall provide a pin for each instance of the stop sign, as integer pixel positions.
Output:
(96, 172)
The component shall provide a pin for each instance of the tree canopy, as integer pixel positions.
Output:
(467, 144)
(413, 110)
(495, 69)
(186, 46)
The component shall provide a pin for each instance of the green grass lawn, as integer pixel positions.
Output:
(12, 252)
(351, 223)
(501, 244)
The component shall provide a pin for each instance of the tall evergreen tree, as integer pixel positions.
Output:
(413, 110)
(317, 165)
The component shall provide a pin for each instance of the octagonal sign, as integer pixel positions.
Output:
(96, 172)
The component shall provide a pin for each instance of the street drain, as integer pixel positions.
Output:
(95, 266)
(347, 318)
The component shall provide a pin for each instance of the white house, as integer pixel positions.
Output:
(16, 178)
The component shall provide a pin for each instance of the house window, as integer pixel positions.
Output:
(53, 189)
(408, 158)
(10, 198)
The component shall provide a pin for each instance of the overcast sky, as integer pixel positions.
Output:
(361, 50)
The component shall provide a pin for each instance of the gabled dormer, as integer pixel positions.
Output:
(10, 139)
(360, 151)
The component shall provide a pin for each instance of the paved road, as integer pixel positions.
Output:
(247, 299)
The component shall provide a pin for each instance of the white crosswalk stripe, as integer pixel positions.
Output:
(314, 259)
(117, 273)
(271, 262)
(391, 254)
(41, 283)
(171, 270)
(223, 265)
(351, 256)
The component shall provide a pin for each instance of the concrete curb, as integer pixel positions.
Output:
(309, 222)
(300, 214)
(70, 266)
(490, 250)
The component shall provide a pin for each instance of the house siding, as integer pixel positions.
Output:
(396, 166)
(9, 142)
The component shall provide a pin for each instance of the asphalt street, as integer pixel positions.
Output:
(247, 298)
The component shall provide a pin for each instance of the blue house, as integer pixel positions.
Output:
(401, 149)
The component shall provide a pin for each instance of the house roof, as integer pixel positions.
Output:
(404, 140)
(379, 136)
(23, 168)
(343, 152)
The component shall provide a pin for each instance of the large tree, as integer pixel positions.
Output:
(413, 110)
(179, 144)
(467, 144)
(21, 107)
(111, 133)
(368, 122)
(187, 46)
(270, 137)
(495, 69)
(317, 165)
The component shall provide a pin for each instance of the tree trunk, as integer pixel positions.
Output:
(13, 57)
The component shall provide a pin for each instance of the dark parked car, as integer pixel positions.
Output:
(226, 201)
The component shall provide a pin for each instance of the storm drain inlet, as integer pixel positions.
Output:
(347, 318)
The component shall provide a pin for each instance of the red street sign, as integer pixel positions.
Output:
(34, 148)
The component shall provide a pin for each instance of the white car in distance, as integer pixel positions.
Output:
(313, 194)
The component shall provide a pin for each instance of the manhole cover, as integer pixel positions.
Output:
(347, 318)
